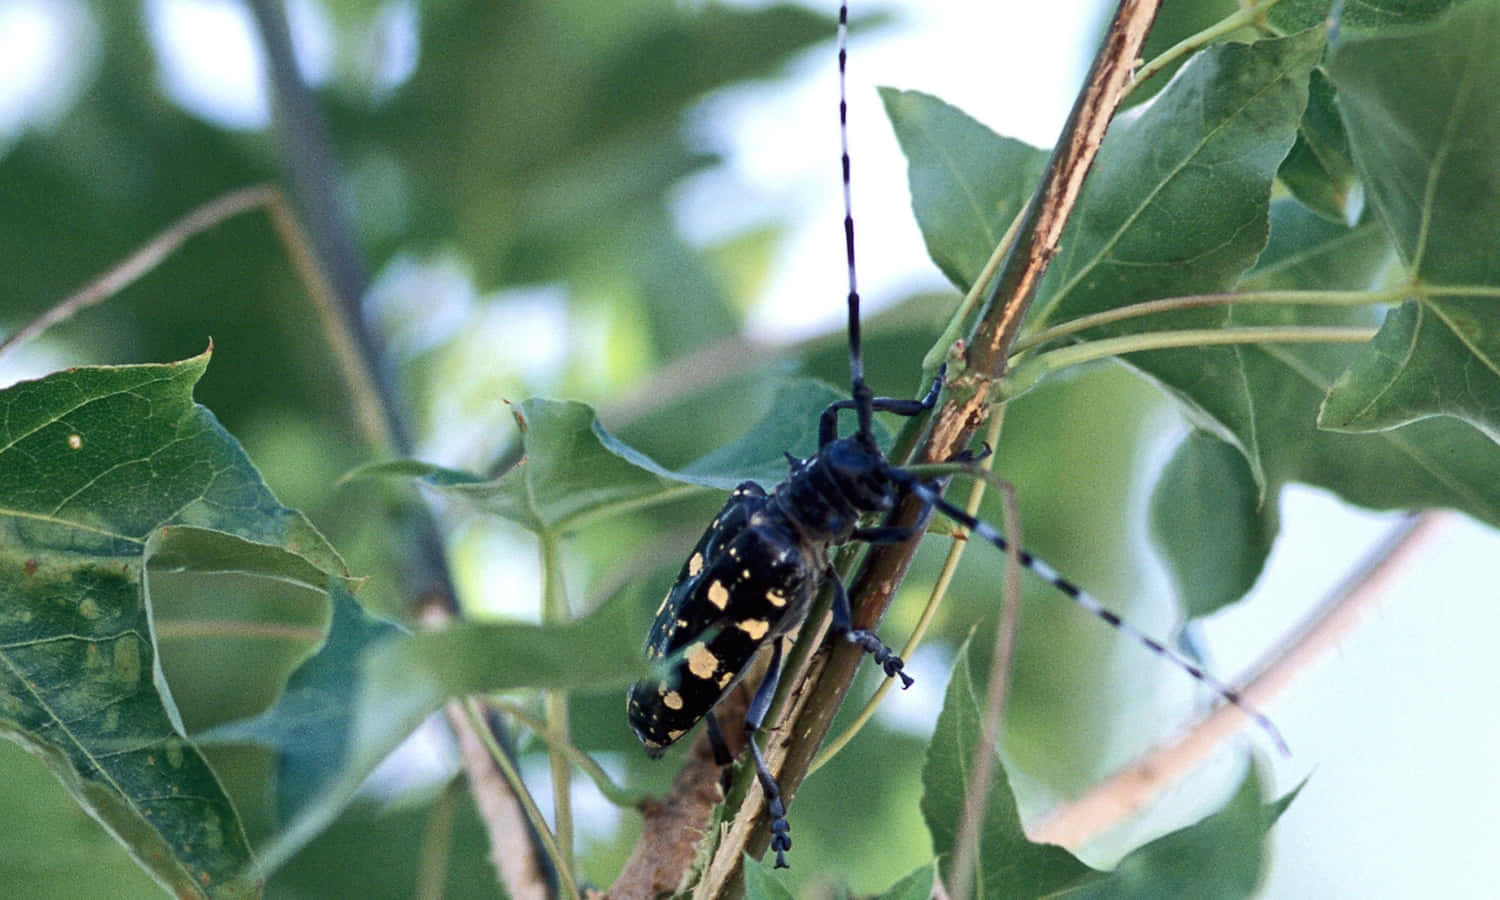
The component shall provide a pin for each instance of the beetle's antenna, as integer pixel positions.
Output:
(1092, 605)
(860, 391)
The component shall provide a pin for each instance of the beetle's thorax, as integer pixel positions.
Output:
(825, 495)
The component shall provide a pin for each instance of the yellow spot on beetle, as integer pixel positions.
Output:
(672, 700)
(695, 564)
(674, 735)
(725, 679)
(701, 662)
(776, 598)
(718, 595)
(756, 628)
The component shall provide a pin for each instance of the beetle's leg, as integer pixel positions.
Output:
(828, 423)
(722, 756)
(843, 624)
(884, 534)
(781, 840)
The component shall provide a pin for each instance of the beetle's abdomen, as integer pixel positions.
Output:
(745, 583)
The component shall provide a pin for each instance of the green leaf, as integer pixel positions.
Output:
(369, 687)
(760, 884)
(1319, 170)
(573, 469)
(98, 468)
(1295, 15)
(1178, 200)
(967, 183)
(1214, 551)
(1007, 864)
(1435, 462)
(184, 548)
(58, 851)
(916, 886)
(1428, 150)
(1178, 204)
(310, 724)
(1430, 358)
(790, 426)
(1425, 146)
(1220, 856)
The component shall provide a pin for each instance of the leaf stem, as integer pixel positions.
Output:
(145, 258)
(528, 803)
(1198, 301)
(603, 511)
(1459, 290)
(612, 792)
(555, 703)
(1238, 19)
(1025, 375)
(939, 351)
(987, 755)
(436, 847)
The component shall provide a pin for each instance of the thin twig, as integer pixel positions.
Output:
(437, 845)
(125, 272)
(1200, 301)
(1029, 372)
(1246, 16)
(499, 809)
(987, 753)
(369, 411)
(555, 702)
(586, 764)
(511, 832)
(1136, 785)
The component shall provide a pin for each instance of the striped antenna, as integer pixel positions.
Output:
(1088, 602)
(861, 392)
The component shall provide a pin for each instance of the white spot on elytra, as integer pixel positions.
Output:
(718, 595)
(701, 662)
(695, 564)
(756, 628)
